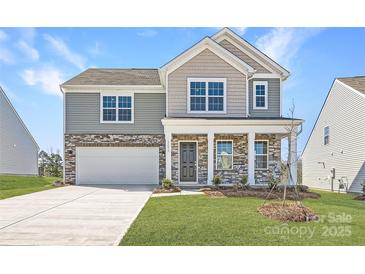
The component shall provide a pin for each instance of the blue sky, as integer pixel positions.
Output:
(33, 62)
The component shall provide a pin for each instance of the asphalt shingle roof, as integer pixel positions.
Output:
(357, 82)
(95, 76)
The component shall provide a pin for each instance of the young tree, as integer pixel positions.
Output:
(50, 164)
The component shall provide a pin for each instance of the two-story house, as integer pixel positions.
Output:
(18, 149)
(215, 109)
(334, 156)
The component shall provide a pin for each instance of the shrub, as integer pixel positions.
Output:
(244, 181)
(167, 183)
(217, 180)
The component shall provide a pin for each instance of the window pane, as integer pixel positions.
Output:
(261, 161)
(224, 147)
(215, 88)
(124, 114)
(260, 147)
(197, 88)
(109, 101)
(109, 114)
(197, 103)
(260, 90)
(224, 162)
(260, 101)
(124, 101)
(215, 103)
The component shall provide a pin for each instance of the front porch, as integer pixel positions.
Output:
(199, 149)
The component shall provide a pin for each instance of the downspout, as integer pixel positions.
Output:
(63, 137)
(248, 96)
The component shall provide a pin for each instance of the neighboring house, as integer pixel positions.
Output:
(337, 140)
(18, 149)
(215, 109)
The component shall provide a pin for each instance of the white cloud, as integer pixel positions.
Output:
(283, 44)
(240, 31)
(48, 78)
(63, 50)
(147, 33)
(28, 50)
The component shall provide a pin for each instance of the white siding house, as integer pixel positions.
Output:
(337, 140)
(18, 149)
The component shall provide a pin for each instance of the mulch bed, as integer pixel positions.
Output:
(167, 190)
(360, 197)
(294, 212)
(259, 193)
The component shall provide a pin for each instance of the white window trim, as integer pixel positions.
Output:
(264, 83)
(324, 135)
(131, 94)
(206, 80)
(216, 154)
(267, 154)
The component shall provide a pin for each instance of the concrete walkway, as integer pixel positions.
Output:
(72, 215)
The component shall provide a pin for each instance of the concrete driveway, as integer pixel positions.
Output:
(72, 215)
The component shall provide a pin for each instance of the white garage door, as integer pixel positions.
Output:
(117, 165)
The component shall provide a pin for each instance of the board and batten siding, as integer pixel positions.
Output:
(273, 99)
(206, 65)
(82, 115)
(18, 151)
(344, 113)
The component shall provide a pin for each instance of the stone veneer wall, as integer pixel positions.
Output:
(240, 158)
(202, 156)
(109, 140)
(262, 176)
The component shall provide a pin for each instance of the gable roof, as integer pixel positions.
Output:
(132, 76)
(228, 32)
(356, 82)
(208, 43)
(18, 117)
(359, 83)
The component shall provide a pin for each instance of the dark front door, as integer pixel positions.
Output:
(187, 162)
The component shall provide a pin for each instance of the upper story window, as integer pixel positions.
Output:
(116, 109)
(326, 135)
(207, 95)
(260, 95)
(261, 154)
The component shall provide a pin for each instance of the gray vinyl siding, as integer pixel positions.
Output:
(273, 99)
(244, 57)
(344, 113)
(205, 65)
(83, 114)
(18, 152)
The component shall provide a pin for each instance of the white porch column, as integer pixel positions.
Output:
(292, 156)
(168, 137)
(251, 158)
(210, 157)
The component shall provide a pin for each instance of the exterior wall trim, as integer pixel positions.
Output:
(225, 31)
(208, 43)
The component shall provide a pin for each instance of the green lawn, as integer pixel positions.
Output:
(200, 220)
(11, 186)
